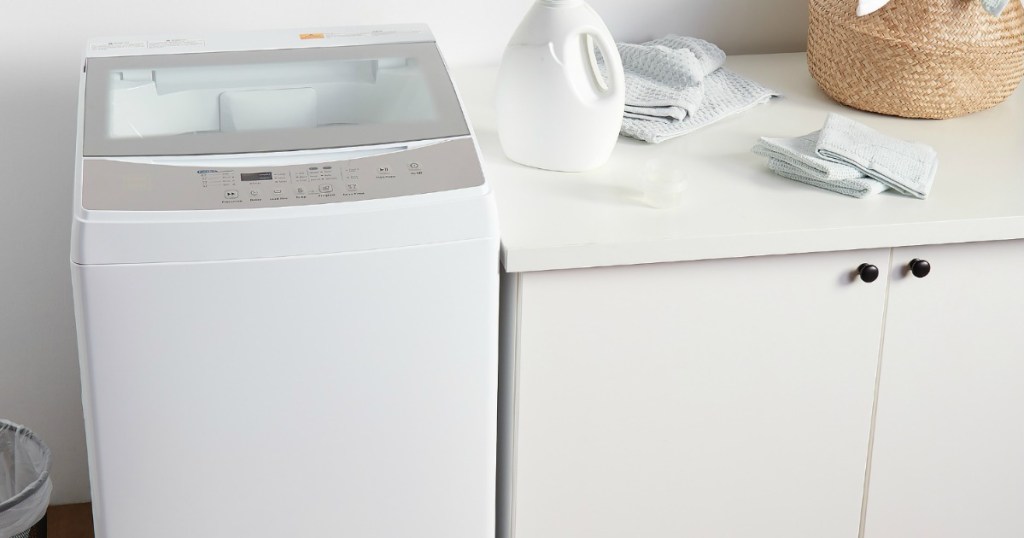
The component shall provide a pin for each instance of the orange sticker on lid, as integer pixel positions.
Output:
(311, 36)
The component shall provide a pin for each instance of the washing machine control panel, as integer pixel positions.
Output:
(110, 184)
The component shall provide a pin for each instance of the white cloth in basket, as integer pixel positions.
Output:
(867, 7)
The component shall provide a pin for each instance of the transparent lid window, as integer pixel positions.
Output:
(243, 102)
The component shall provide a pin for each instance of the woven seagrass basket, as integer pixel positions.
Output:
(916, 58)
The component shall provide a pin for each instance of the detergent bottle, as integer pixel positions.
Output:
(556, 109)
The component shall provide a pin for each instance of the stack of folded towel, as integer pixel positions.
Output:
(852, 159)
(675, 85)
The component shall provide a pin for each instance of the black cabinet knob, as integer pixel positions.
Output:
(867, 272)
(920, 268)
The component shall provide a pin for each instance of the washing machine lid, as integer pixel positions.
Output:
(217, 103)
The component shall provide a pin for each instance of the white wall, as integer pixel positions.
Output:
(40, 43)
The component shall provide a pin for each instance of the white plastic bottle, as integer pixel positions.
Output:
(555, 109)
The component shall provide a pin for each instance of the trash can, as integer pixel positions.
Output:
(24, 482)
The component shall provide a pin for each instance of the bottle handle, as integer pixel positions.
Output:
(612, 61)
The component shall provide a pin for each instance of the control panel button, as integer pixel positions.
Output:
(326, 188)
(300, 190)
(230, 194)
(278, 191)
(254, 193)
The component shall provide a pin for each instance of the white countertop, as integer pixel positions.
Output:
(733, 205)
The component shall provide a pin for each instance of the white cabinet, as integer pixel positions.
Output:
(948, 458)
(722, 398)
(733, 398)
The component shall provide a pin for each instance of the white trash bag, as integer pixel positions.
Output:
(24, 480)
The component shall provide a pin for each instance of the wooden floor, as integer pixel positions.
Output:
(69, 521)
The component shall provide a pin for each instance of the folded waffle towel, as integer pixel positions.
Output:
(906, 167)
(800, 153)
(858, 187)
(725, 94)
(676, 84)
(665, 77)
(795, 158)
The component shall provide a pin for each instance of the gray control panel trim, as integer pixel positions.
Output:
(450, 121)
(114, 185)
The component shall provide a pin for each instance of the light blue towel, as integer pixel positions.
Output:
(676, 85)
(795, 158)
(906, 167)
(665, 77)
(800, 153)
(858, 187)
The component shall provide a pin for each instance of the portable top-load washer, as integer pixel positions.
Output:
(285, 266)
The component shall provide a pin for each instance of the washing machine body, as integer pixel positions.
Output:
(285, 268)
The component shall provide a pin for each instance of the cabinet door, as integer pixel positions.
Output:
(712, 399)
(948, 458)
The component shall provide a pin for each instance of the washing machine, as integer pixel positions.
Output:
(285, 270)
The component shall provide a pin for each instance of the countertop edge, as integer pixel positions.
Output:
(659, 250)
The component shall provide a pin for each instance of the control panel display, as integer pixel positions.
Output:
(131, 186)
(256, 176)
